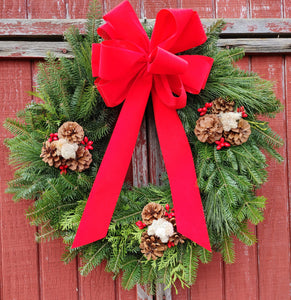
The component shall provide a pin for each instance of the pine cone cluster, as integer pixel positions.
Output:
(152, 211)
(221, 105)
(239, 135)
(55, 153)
(151, 245)
(223, 122)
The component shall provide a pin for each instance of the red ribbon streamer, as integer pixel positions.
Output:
(129, 67)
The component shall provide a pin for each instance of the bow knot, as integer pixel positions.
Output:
(130, 67)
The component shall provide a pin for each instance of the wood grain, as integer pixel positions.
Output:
(48, 9)
(273, 233)
(241, 278)
(98, 285)
(210, 281)
(12, 9)
(19, 252)
(266, 9)
(55, 28)
(205, 8)
(151, 8)
(232, 8)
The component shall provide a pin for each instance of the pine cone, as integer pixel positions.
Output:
(72, 132)
(82, 161)
(151, 246)
(152, 211)
(177, 238)
(208, 129)
(49, 155)
(220, 105)
(239, 135)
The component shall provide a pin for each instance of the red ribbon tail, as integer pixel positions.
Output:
(111, 174)
(181, 172)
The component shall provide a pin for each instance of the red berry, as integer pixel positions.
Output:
(244, 115)
(85, 139)
(167, 207)
(222, 140)
(218, 147)
(51, 134)
(199, 109)
(226, 144)
(55, 138)
(166, 214)
(90, 143)
(202, 113)
(50, 139)
(171, 215)
(83, 143)
(172, 209)
(90, 148)
(207, 104)
(217, 142)
(204, 109)
(210, 104)
(222, 144)
(169, 244)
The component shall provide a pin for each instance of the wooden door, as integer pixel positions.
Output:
(31, 271)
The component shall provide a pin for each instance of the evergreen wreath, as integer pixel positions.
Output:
(228, 176)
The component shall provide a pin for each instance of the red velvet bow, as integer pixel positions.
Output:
(129, 67)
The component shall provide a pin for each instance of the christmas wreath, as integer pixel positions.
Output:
(60, 141)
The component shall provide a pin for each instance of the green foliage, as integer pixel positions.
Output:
(227, 178)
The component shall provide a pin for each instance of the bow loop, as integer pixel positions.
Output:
(123, 24)
(165, 62)
(177, 30)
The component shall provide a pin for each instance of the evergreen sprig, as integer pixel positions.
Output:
(227, 178)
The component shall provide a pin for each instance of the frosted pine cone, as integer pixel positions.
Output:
(239, 135)
(72, 132)
(151, 246)
(82, 161)
(220, 105)
(49, 155)
(152, 211)
(208, 129)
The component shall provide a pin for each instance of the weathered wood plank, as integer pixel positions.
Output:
(232, 8)
(33, 49)
(267, 9)
(205, 8)
(97, 285)
(241, 277)
(57, 27)
(50, 9)
(19, 252)
(210, 281)
(273, 234)
(258, 45)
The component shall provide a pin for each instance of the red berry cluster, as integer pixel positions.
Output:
(242, 110)
(63, 169)
(169, 214)
(53, 137)
(88, 144)
(170, 244)
(203, 110)
(221, 143)
(140, 224)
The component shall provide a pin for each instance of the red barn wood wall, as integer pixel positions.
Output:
(34, 271)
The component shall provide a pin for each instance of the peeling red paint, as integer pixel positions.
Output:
(252, 28)
(284, 26)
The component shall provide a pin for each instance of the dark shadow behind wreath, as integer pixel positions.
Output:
(58, 170)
